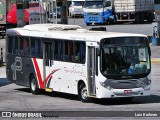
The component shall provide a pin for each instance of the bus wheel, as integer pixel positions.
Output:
(83, 93)
(34, 85)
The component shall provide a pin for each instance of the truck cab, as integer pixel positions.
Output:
(76, 8)
(98, 12)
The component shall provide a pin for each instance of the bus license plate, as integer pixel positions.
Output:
(127, 91)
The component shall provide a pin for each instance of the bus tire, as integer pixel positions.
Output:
(82, 93)
(33, 85)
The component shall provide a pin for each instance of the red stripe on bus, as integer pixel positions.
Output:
(41, 83)
(17, 33)
(50, 75)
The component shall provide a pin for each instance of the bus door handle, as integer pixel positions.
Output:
(59, 78)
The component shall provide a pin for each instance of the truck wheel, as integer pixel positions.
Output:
(83, 93)
(34, 85)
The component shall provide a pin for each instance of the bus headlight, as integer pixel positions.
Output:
(143, 82)
(105, 85)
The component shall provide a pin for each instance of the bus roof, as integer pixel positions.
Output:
(68, 32)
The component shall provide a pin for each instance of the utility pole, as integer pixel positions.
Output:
(64, 12)
(20, 13)
(21, 6)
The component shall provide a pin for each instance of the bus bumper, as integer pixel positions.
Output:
(114, 93)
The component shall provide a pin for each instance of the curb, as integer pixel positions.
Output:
(155, 60)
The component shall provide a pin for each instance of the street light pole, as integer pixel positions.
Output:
(21, 6)
(20, 13)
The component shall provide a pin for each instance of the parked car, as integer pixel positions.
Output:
(53, 13)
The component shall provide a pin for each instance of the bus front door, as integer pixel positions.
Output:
(47, 62)
(91, 65)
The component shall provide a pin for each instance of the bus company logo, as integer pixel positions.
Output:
(16, 66)
(6, 114)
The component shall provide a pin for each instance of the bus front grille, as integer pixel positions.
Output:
(126, 94)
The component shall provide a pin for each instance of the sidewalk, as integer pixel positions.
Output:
(155, 54)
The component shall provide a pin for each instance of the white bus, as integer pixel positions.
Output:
(69, 59)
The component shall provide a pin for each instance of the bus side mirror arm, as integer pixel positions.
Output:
(149, 50)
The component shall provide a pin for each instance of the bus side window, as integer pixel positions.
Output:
(35, 47)
(13, 45)
(55, 49)
(10, 44)
(24, 46)
(76, 51)
(82, 52)
(58, 50)
(21, 45)
(79, 52)
(66, 57)
(68, 51)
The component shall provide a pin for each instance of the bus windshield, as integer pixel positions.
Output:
(125, 56)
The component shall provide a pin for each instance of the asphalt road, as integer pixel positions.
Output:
(18, 98)
(145, 28)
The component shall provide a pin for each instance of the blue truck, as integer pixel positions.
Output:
(98, 12)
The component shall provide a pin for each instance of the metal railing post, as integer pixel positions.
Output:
(1, 58)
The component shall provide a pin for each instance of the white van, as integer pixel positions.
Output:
(76, 8)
